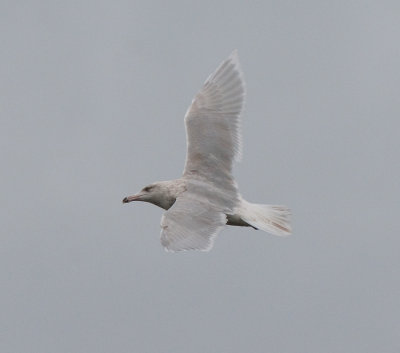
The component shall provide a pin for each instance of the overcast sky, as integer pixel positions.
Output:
(92, 99)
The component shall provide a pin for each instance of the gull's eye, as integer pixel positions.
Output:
(147, 188)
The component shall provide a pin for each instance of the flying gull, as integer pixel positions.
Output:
(206, 198)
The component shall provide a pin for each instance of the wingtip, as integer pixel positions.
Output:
(234, 56)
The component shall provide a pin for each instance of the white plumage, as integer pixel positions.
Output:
(206, 197)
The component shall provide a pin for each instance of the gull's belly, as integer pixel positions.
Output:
(236, 220)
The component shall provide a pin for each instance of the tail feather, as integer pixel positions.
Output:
(269, 218)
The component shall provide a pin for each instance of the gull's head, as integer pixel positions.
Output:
(156, 193)
(146, 194)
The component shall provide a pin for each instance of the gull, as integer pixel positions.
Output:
(206, 198)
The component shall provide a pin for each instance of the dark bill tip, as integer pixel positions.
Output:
(135, 197)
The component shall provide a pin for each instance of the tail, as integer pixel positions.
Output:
(269, 218)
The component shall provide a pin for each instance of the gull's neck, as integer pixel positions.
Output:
(167, 193)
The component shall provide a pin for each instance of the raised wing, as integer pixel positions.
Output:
(213, 143)
(213, 125)
(191, 224)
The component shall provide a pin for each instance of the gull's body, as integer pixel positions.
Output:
(206, 197)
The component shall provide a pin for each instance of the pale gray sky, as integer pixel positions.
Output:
(92, 99)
